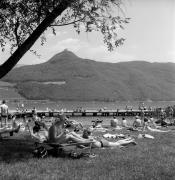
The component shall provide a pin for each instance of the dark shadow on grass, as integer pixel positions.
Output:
(15, 149)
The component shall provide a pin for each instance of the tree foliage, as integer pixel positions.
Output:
(22, 22)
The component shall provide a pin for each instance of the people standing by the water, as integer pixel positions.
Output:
(4, 113)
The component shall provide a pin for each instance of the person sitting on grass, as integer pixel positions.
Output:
(97, 123)
(137, 122)
(104, 143)
(70, 123)
(124, 122)
(57, 133)
(136, 126)
(114, 122)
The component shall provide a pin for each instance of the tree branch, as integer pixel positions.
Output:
(67, 23)
(28, 43)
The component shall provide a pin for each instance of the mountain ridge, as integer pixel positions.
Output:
(92, 80)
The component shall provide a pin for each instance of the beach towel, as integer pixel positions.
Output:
(145, 136)
(100, 129)
(114, 136)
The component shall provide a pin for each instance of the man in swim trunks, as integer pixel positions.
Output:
(4, 112)
(58, 134)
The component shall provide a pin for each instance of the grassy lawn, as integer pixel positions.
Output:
(149, 159)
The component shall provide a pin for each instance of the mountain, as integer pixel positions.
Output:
(68, 77)
(19, 65)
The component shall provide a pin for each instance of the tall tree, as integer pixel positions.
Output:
(22, 22)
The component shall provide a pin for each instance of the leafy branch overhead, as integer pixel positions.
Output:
(20, 18)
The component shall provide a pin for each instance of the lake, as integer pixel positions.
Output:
(72, 105)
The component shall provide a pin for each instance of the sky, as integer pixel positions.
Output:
(150, 36)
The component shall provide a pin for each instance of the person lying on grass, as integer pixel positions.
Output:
(13, 128)
(104, 143)
(146, 126)
(58, 134)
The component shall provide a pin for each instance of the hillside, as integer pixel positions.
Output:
(68, 77)
(8, 91)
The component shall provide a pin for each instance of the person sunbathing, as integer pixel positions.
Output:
(97, 123)
(136, 126)
(114, 122)
(124, 123)
(137, 122)
(57, 133)
(146, 126)
(70, 123)
(104, 143)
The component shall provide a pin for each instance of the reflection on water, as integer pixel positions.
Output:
(69, 105)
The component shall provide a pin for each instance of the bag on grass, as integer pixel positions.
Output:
(40, 152)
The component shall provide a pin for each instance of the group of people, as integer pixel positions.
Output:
(57, 133)
(147, 123)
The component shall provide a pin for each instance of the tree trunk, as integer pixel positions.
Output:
(28, 43)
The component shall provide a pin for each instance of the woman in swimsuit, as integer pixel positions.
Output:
(104, 143)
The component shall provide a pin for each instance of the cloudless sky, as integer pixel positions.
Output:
(150, 36)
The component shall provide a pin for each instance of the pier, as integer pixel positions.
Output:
(88, 113)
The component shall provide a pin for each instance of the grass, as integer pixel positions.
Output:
(149, 159)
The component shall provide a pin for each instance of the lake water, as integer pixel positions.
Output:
(72, 105)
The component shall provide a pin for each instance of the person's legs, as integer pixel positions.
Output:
(75, 139)
(123, 142)
(2, 122)
(75, 135)
(5, 118)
